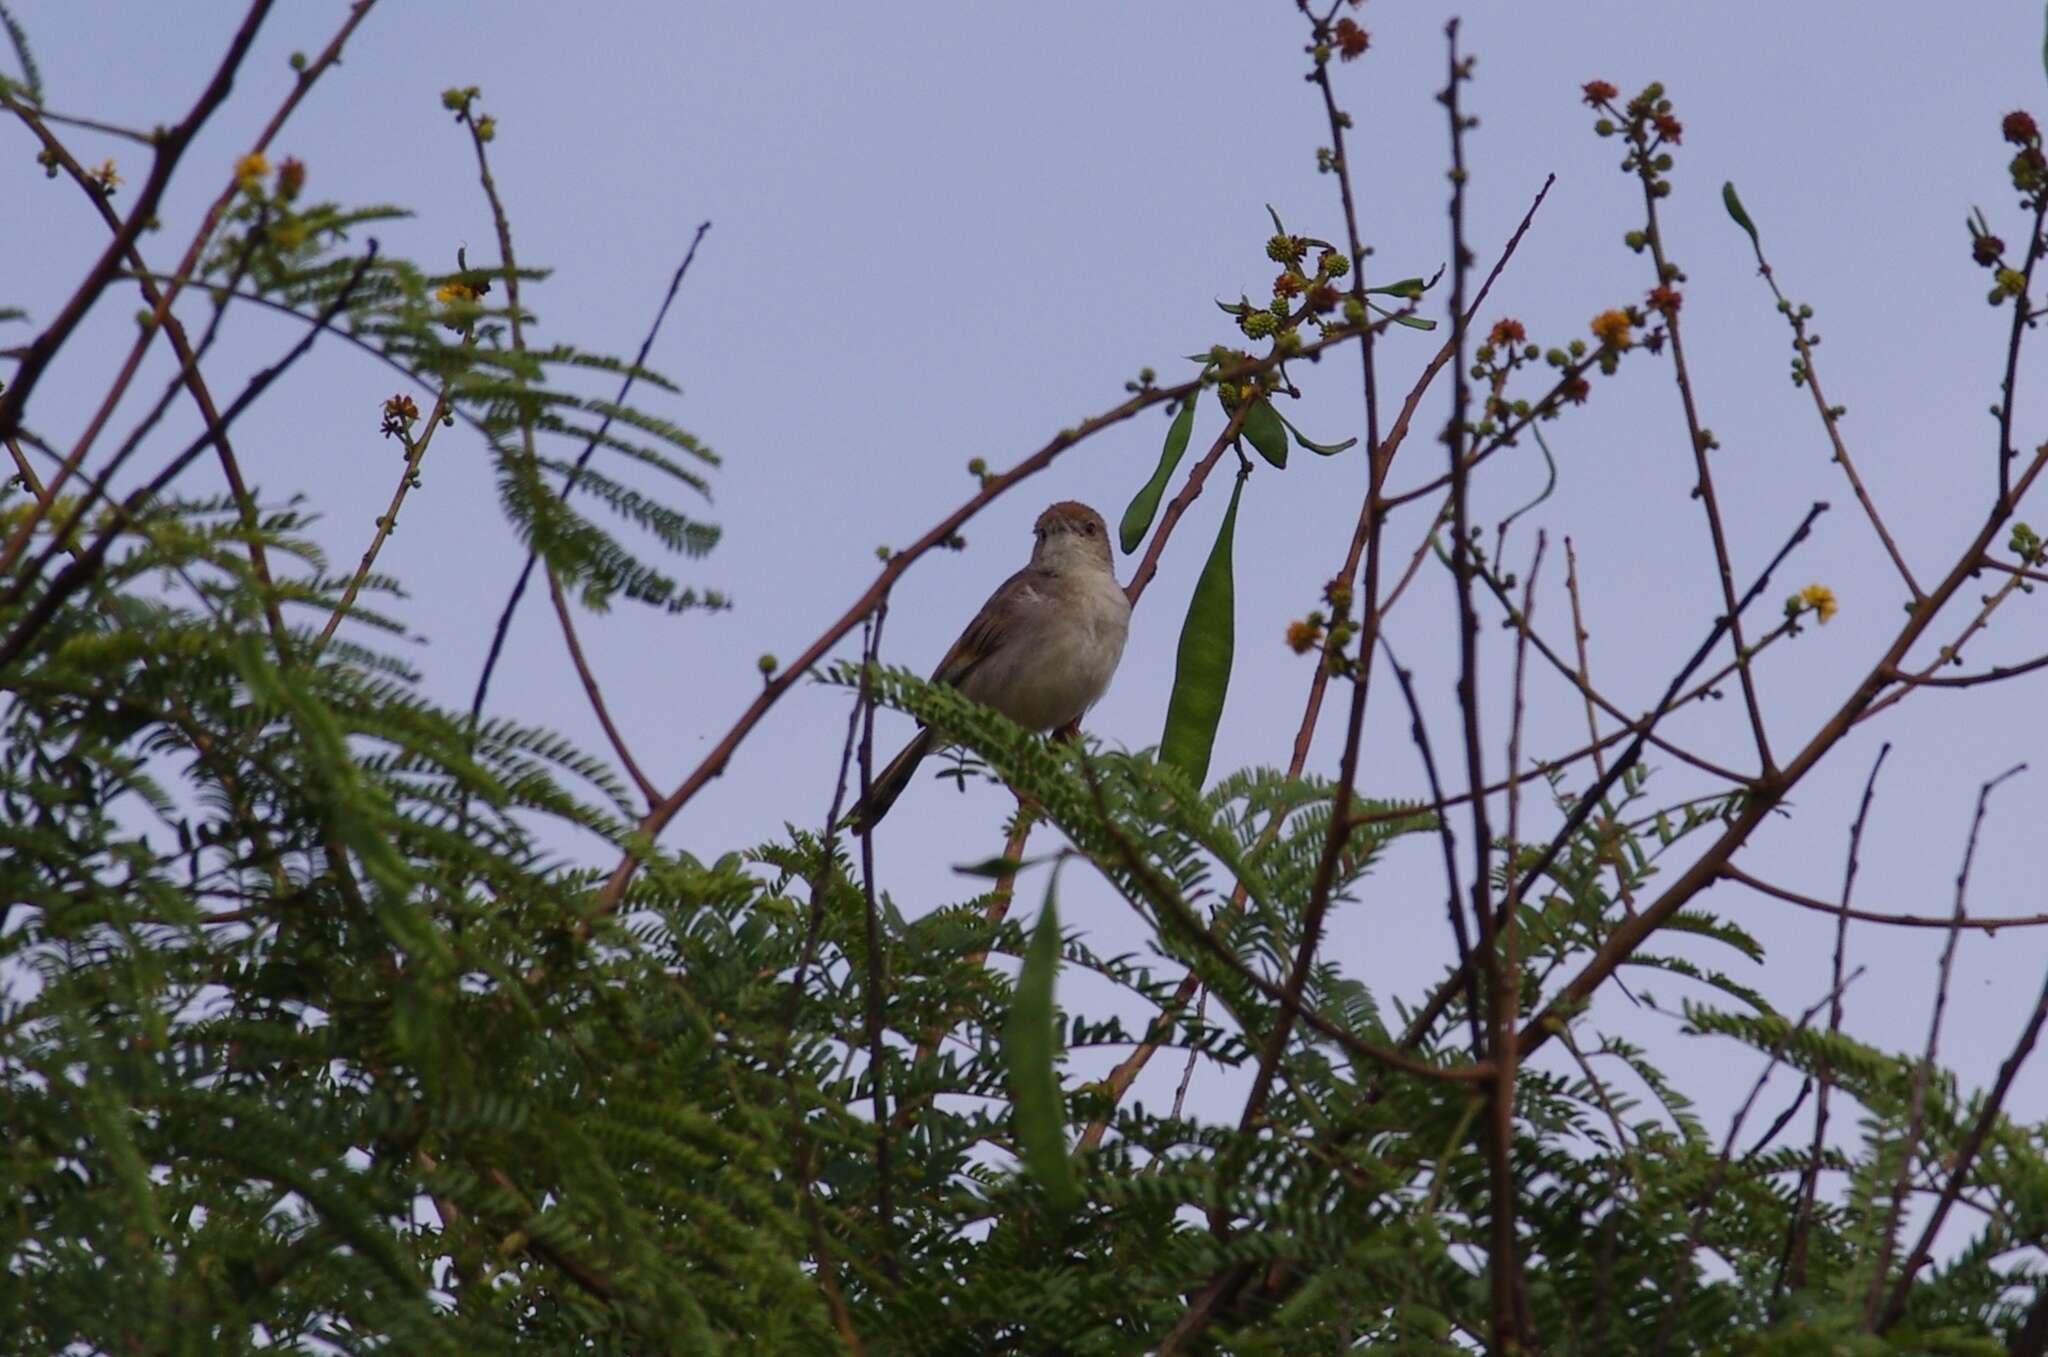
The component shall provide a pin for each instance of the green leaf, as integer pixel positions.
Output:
(1734, 205)
(1266, 431)
(1201, 672)
(996, 866)
(1412, 322)
(1407, 287)
(1138, 517)
(1028, 1042)
(1324, 449)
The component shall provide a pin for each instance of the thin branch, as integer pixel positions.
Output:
(1584, 805)
(1696, 439)
(1880, 1314)
(872, 989)
(1809, 376)
(590, 689)
(415, 453)
(1448, 838)
(1381, 457)
(504, 627)
(1699, 1213)
(1987, 924)
(189, 375)
(1792, 1271)
(75, 575)
(1148, 564)
(14, 399)
(1764, 797)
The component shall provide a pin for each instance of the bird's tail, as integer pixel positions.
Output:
(887, 785)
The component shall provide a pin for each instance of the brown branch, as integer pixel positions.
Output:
(1988, 924)
(1764, 797)
(2022, 321)
(1584, 805)
(415, 453)
(1878, 1313)
(590, 689)
(170, 148)
(74, 576)
(189, 375)
(1504, 1004)
(1584, 677)
(1792, 1270)
(1148, 564)
(1698, 1214)
(872, 987)
(1948, 654)
(1447, 837)
(1382, 455)
(1698, 442)
(1810, 378)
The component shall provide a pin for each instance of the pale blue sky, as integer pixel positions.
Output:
(945, 231)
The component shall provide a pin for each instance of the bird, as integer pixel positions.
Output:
(1041, 651)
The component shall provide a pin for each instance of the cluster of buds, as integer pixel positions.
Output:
(1332, 632)
(1647, 122)
(2029, 170)
(1506, 349)
(1300, 294)
(254, 168)
(2029, 167)
(2026, 544)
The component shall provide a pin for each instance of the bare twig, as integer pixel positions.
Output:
(75, 575)
(169, 150)
(591, 690)
(872, 996)
(1983, 923)
(1584, 805)
(415, 453)
(1148, 564)
(1699, 1213)
(1764, 796)
(1810, 378)
(1878, 1312)
(1792, 1271)
(504, 627)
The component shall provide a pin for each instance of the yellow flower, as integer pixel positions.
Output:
(1821, 599)
(455, 292)
(1611, 329)
(249, 171)
(106, 177)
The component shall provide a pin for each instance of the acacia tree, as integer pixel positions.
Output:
(310, 1041)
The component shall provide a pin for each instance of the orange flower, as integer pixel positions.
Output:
(1611, 328)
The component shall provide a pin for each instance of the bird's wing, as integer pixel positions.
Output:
(989, 630)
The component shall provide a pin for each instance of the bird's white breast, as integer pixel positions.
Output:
(1068, 642)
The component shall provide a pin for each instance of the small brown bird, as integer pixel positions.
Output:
(1042, 649)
